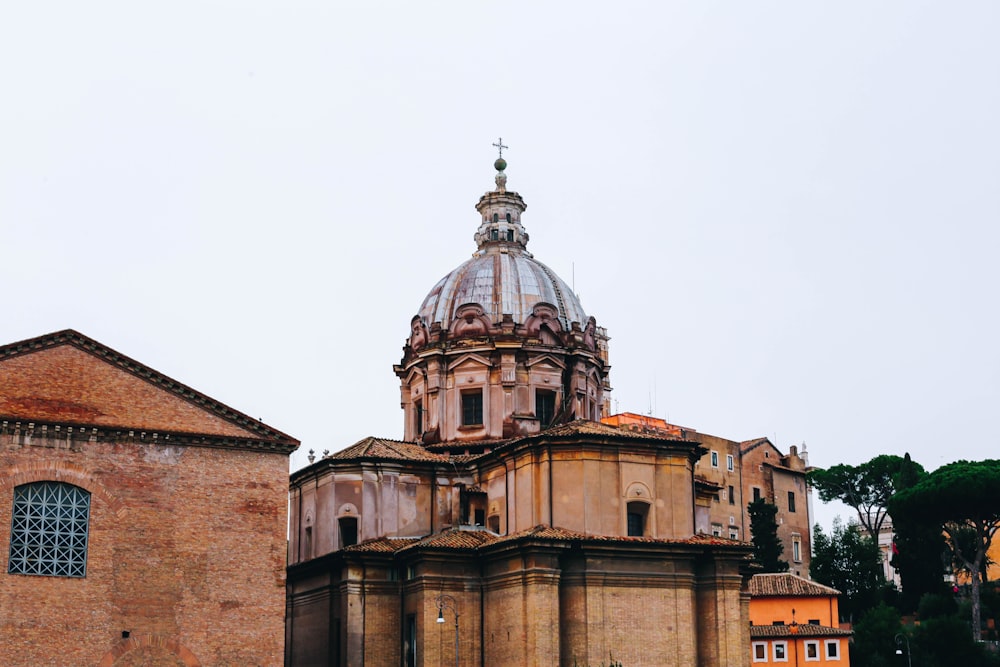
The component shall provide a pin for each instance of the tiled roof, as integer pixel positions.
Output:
(801, 630)
(586, 427)
(787, 585)
(458, 538)
(68, 379)
(563, 534)
(383, 448)
(382, 545)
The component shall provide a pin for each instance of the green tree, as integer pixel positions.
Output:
(850, 562)
(918, 546)
(874, 633)
(866, 488)
(767, 548)
(958, 495)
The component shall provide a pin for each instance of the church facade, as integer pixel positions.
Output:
(142, 522)
(510, 526)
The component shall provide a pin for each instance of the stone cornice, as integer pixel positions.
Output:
(25, 433)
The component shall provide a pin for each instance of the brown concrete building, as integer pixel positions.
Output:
(729, 475)
(143, 522)
(510, 527)
(780, 479)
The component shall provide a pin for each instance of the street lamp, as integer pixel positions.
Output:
(448, 602)
(900, 638)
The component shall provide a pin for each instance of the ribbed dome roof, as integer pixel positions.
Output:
(509, 282)
(502, 276)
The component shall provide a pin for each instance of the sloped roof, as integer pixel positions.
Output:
(384, 545)
(801, 630)
(386, 449)
(747, 445)
(587, 427)
(68, 379)
(784, 584)
(464, 539)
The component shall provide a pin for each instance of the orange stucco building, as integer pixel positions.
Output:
(795, 622)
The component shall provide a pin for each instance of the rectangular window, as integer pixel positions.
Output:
(729, 462)
(734, 534)
(797, 548)
(833, 649)
(418, 418)
(715, 459)
(812, 651)
(791, 501)
(348, 531)
(410, 641)
(732, 495)
(759, 652)
(717, 530)
(781, 651)
(635, 518)
(472, 408)
(756, 493)
(545, 407)
(49, 527)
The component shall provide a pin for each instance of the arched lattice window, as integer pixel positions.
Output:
(49, 530)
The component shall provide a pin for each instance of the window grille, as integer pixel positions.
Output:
(49, 530)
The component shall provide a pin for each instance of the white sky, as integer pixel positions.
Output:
(786, 214)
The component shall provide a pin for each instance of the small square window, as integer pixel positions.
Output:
(734, 534)
(716, 530)
(781, 651)
(833, 649)
(812, 651)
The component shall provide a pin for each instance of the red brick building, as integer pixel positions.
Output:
(141, 522)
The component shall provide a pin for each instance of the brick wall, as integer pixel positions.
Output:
(186, 553)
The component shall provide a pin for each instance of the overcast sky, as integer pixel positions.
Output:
(785, 214)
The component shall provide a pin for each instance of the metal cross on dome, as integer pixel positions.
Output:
(499, 145)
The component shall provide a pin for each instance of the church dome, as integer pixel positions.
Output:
(502, 283)
(502, 277)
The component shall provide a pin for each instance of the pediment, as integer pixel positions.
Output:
(546, 360)
(67, 378)
(470, 359)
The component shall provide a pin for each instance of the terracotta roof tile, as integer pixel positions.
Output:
(802, 630)
(468, 539)
(383, 448)
(384, 545)
(786, 585)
